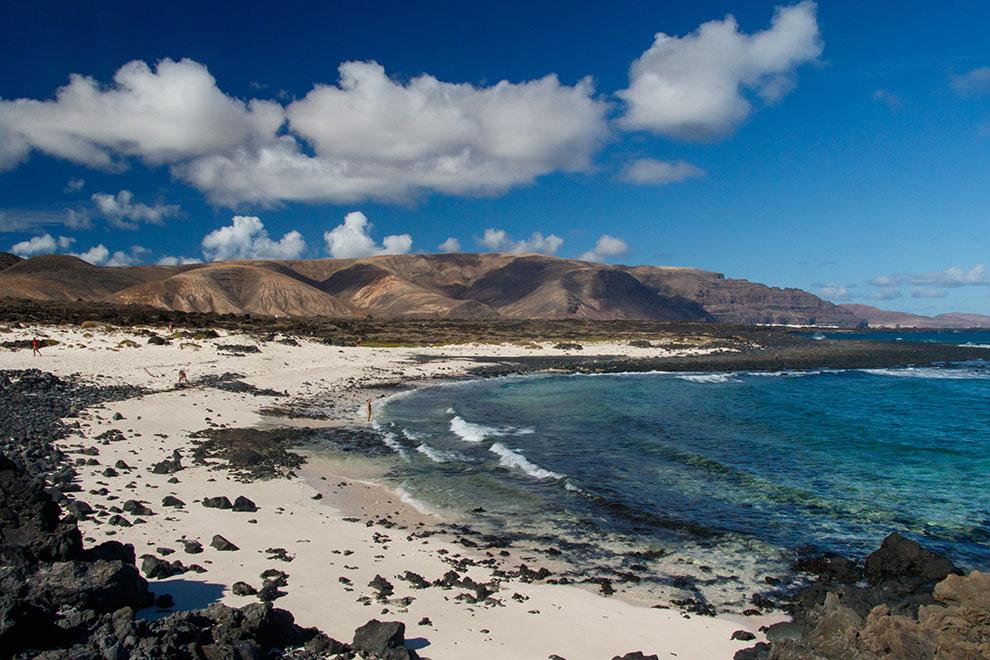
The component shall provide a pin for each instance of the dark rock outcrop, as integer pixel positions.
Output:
(60, 600)
(906, 602)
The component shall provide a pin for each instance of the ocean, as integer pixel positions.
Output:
(976, 338)
(720, 479)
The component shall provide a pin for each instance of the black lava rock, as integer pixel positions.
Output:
(222, 544)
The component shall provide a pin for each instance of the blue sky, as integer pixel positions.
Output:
(843, 148)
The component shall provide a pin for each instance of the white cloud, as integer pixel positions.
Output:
(77, 219)
(134, 255)
(972, 82)
(74, 185)
(371, 137)
(123, 212)
(99, 255)
(178, 261)
(500, 241)
(692, 87)
(646, 171)
(835, 292)
(375, 138)
(96, 255)
(450, 245)
(352, 239)
(888, 98)
(247, 238)
(165, 115)
(951, 278)
(44, 244)
(605, 247)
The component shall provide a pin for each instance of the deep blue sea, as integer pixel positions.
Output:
(737, 471)
(978, 338)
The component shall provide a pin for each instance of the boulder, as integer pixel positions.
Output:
(382, 640)
(101, 585)
(899, 557)
(222, 544)
(243, 504)
(222, 502)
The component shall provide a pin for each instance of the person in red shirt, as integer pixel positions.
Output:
(35, 347)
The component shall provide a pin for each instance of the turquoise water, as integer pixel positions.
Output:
(755, 466)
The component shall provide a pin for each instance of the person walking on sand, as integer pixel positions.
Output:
(182, 377)
(35, 347)
(369, 410)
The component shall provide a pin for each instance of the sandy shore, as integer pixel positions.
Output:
(335, 545)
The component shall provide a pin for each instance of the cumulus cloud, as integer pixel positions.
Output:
(44, 244)
(692, 87)
(376, 138)
(368, 136)
(247, 238)
(168, 114)
(500, 241)
(950, 278)
(96, 255)
(352, 239)
(74, 185)
(450, 245)
(100, 255)
(605, 247)
(646, 171)
(123, 212)
(972, 82)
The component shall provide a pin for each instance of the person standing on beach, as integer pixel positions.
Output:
(369, 410)
(182, 377)
(35, 347)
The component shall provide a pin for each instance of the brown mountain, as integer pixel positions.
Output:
(880, 318)
(427, 286)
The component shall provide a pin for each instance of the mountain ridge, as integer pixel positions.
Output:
(443, 286)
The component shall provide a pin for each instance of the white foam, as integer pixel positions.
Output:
(512, 459)
(970, 344)
(438, 455)
(931, 372)
(784, 374)
(412, 435)
(392, 443)
(406, 497)
(471, 432)
(708, 378)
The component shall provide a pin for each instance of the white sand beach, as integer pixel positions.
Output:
(333, 557)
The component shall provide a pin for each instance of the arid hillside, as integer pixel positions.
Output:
(453, 286)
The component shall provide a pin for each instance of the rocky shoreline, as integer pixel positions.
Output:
(60, 599)
(35, 404)
(902, 602)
